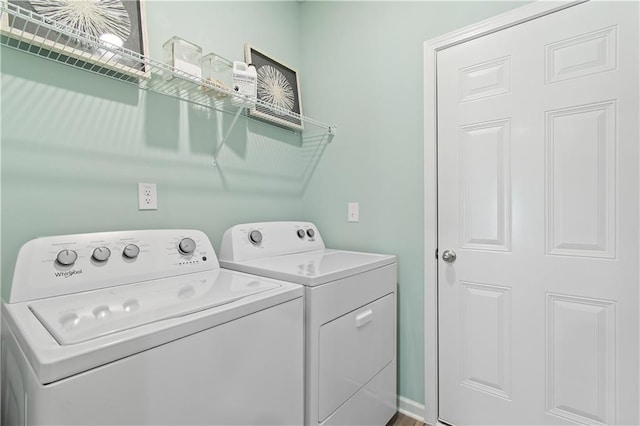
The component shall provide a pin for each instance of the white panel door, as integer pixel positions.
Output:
(538, 198)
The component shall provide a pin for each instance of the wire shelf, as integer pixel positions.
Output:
(32, 33)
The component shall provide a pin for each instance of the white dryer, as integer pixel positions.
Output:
(143, 327)
(350, 317)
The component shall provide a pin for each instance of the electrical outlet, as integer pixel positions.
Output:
(147, 196)
(353, 212)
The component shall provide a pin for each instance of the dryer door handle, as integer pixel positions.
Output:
(364, 317)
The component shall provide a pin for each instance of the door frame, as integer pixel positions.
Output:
(431, 48)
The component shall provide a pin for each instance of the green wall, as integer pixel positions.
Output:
(363, 68)
(74, 145)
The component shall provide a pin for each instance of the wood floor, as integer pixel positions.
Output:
(402, 420)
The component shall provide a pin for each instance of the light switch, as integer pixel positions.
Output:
(353, 212)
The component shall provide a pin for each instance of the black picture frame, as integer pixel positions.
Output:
(274, 73)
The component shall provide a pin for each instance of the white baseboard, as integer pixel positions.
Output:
(410, 408)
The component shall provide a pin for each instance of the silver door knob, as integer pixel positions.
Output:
(449, 256)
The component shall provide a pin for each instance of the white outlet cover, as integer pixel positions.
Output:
(147, 196)
(353, 212)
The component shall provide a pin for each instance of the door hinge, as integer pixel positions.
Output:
(436, 253)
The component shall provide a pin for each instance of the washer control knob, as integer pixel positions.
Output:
(301, 233)
(255, 237)
(101, 254)
(311, 232)
(131, 251)
(186, 246)
(66, 257)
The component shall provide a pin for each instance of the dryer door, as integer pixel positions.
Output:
(353, 349)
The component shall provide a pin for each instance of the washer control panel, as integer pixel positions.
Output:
(53, 266)
(265, 239)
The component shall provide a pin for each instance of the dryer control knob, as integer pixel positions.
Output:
(101, 254)
(301, 233)
(186, 246)
(66, 257)
(311, 232)
(255, 237)
(131, 251)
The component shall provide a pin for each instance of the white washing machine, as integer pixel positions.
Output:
(143, 327)
(350, 317)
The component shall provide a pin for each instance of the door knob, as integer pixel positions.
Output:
(449, 256)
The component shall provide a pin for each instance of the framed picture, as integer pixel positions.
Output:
(277, 85)
(119, 23)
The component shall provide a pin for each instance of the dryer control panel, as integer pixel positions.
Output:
(266, 239)
(53, 266)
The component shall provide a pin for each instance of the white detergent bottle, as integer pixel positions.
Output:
(245, 83)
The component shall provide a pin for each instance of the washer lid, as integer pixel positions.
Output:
(314, 267)
(85, 316)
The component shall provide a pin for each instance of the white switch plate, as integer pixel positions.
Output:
(353, 212)
(147, 196)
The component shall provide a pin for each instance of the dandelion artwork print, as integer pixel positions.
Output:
(91, 17)
(278, 90)
(274, 88)
(91, 31)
